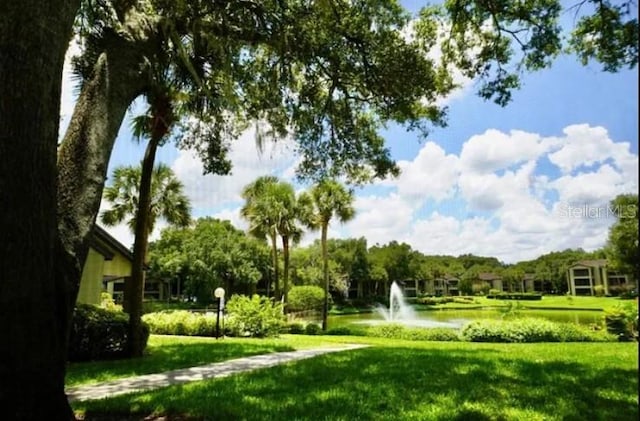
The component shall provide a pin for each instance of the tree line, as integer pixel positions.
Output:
(199, 258)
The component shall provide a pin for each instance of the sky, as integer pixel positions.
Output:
(510, 182)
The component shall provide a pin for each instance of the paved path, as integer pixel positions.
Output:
(192, 374)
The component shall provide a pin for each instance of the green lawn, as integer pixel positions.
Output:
(408, 380)
(171, 352)
(548, 301)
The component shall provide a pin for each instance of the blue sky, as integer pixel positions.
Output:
(512, 182)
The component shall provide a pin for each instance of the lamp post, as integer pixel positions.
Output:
(219, 294)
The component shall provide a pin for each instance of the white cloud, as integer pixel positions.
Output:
(522, 209)
(432, 174)
(212, 192)
(494, 150)
(380, 218)
(585, 146)
(592, 188)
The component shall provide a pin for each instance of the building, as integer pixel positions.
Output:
(446, 285)
(586, 275)
(487, 281)
(107, 269)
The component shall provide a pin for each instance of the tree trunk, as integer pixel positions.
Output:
(325, 276)
(84, 154)
(136, 287)
(34, 37)
(276, 271)
(285, 275)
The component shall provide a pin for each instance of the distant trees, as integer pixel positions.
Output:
(210, 254)
(622, 244)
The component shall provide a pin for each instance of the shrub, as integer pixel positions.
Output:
(598, 290)
(524, 296)
(107, 302)
(398, 331)
(181, 322)
(98, 334)
(622, 321)
(430, 301)
(312, 329)
(341, 331)
(295, 328)
(254, 316)
(307, 297)
(530, 330)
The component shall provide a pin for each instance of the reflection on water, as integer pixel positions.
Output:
(457, 317)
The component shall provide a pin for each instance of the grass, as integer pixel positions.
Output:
(172, 352)
(408, 380)
(555, 302)
(166, 353)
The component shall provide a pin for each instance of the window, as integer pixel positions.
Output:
(580, 272)
(584, 282)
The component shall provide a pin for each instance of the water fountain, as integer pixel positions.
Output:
(400, 311)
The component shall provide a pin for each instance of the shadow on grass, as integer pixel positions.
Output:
(397, 383)
(167, 357)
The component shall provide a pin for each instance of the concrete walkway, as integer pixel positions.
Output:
(192, 374)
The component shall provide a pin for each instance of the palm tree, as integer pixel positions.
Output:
(261, 222)
(168, 200)
(273, 210)
(330, 199)
(141, 200)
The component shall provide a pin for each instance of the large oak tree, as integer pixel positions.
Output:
(329, 72)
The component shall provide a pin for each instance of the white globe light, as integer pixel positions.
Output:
(219, 292)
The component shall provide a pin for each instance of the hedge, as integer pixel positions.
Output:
(98, 334)
(531, 330)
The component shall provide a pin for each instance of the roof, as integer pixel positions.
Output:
(596, 263)
(105, 244)
(488, 276)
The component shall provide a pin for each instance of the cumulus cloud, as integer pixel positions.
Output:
(585, 146)
(432, 174)
(514, 209)
(211, 192)
(494, 150)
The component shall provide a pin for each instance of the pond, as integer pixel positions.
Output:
(458, 318)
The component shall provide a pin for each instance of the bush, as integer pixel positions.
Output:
(431, 301)
(341, 331)
(312, 329)
(598, 290)
(255, 317)
(303, 298)
(107, 302)
(181, 322)
(295, 328)
(622, 321)
(530, 330)
(98, 334)
(398, 331)
(524, 296)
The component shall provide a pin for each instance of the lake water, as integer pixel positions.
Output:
(462, 317)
